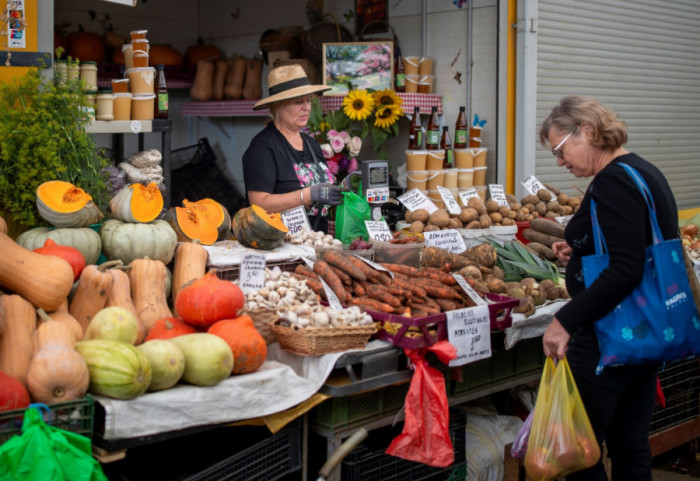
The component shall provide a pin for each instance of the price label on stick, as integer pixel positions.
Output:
(498, 194)
(468, 290)
(449, 239)
(450, 203)
(333, 300)
(467, 194)
(532, 185)
(414, 199)
(296, 220)
(378, 230)
(469, 330)
(251, 275)
(375, 266)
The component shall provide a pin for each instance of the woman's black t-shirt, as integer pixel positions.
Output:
(271, 164)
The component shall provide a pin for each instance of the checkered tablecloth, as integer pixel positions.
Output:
(244, 108)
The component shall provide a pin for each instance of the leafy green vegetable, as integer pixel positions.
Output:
(517, 262)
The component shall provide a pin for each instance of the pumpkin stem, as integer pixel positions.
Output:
(43, 315)
(123, 268)
(109, 264)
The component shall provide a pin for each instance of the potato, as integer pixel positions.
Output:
(485, 221)
(417, 226)
(541, 208)
(454, 223)
(553, 205)
(511, 198)
(508, 221)
(430, 228)
(475, 224)
(492, 206)
(544, 195)
(530, 208)
(496, 217)
(563, 199)
(504, 211)
(407, 216)
(468, 214)
(515, 206)
(477, 204)
(530, 199)
(420, 215)
(439, 218)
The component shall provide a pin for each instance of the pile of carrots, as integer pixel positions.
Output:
(412, 292)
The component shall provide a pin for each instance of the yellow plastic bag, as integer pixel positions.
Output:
(561, 439)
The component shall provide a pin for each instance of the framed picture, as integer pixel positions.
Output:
(358, 65)
(371, 16)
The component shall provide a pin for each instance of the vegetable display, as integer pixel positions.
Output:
(64, 205)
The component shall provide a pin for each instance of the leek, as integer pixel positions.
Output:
(517, 262)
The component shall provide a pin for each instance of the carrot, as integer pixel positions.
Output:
(314, 284)
(372, 304)
(446, 304)
(326, 273)
(376, 292)
(338, 260)
(344, 277)
(364, 267)
(305, 270)
(358, 289)
(401, 269)
(398, 290)
(431, 303)
(434, 288)
(384, 278)
(436, 274)
(406, 284)
(423, 310)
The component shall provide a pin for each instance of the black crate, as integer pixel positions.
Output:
(195, 175)
(368, 462)
(680, 382)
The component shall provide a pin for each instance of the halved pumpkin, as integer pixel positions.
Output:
(256, 228)
(137, 203)
(192, 224)
(216, 212)
(64, 205)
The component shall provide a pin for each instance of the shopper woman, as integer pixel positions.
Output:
(283, 167)
(587, 138)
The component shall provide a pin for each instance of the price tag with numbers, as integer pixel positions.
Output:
(251, 275)
(333, 300)
(450, 203)
(469, 330)
(532, 185)
(296, 220)
(498, 194)
(467, 194)
(469, 291)
(414, 199)
(378, 230)
(449, 239)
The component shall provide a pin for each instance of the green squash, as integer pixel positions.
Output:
(85, 239)
(126, 241)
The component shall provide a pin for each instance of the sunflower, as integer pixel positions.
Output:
(386, 97)
(387, 115)
(358, 104)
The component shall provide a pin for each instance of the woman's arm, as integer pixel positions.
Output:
(280, 202)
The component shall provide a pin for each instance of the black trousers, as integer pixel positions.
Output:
(620, 404)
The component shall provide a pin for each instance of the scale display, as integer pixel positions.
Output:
(375, 181)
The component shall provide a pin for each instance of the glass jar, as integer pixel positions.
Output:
(104, 109)
(88, 74)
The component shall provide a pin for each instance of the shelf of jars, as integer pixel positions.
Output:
(177, 76)
(244, 108)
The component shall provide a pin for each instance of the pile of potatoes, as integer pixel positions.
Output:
(546, 204)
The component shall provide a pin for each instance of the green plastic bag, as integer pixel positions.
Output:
(350, 217)
(45, 453)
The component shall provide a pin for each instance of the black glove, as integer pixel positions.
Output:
(327, 194)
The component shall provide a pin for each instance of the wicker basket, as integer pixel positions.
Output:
(315, 341)
(262, 318)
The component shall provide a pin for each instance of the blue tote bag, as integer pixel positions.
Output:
(658, 321)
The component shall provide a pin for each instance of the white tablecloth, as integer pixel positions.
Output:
(533, 326)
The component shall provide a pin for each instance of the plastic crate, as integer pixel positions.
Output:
(195, 175)
(350, 411)
(74, 416)
(680, 382)
(526, 357)
(369, 462)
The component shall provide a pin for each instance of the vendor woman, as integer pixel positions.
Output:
(282, 167)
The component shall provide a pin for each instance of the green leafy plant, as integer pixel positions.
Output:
(43, 138)
(517, 262)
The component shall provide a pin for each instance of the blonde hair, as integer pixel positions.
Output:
(609, 133)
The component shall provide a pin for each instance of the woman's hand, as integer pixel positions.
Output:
(563, 252)
(555, 340)
(327, 193)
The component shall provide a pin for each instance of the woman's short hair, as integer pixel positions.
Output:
(609, 133)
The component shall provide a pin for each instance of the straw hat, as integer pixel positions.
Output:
(288, 82)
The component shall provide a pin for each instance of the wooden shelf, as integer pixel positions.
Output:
(244, 108)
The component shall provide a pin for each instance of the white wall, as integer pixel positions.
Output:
(236, 27)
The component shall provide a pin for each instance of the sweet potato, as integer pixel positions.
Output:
(376, 291)
(344, 277)
(536, 236)
(401, 269)
(338, 260)
(369, 272)
(372, 304)
(358, 289)
(548, 227)
(326, 273)
(541, 250)
(305, 270)
(436, 274)
(434, 288)
(405, 283)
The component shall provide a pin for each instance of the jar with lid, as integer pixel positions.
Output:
(138, 34)
(88, 74)
(104, 109)
(432, 136)
(415, 133)
(461, 130)
(72, 72)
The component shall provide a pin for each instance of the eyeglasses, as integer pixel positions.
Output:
(558, 153)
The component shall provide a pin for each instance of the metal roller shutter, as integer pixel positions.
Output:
(640, 57)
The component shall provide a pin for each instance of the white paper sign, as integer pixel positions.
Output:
(251, 276)
(333, 300)
(498, 194)
(465, 195)
(449, 239)
(378, 230)
(469, 290)
(563, 219)
(296, 221)
(532, 185)
(469, 330)
(450, 203)
(135, 126)
(375, 266)
(414, 199)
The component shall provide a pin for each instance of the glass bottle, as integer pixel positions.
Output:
(446, 145)
(432, 136)
(400, 78)
(161, 106)
(461, 130)
(415, 133)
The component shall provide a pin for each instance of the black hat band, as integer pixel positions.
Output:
(289, 84)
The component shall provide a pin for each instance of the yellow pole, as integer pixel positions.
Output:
(510, 101)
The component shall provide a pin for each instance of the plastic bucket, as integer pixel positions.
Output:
(416, 160)
(142, 107)
(464, 158)
(435, 178)
(465, 178)
(480, 157)
(416, 179)
(480, 175)
(451, 178)
(435, 159)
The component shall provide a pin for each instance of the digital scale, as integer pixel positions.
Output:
(375, 185)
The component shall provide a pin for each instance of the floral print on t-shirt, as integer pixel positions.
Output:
(307, 175)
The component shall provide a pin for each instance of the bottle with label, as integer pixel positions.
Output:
(432, 136)
(400, 79)
(446, 145)
(161, 104)
(415, 133)
(461, 130)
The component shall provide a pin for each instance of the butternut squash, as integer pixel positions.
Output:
(45, 281)
(120, 296)
(91, 295)
(253, 75)
(148, 279)
(190, 264)
(57, 373)
(236, 76)
(220, 72)
(19, 321)
(202, 87)
(48, 331)
(62, 316)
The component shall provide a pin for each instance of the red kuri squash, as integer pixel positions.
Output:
(209, 299)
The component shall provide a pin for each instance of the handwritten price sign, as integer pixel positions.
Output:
(469, 331)
(251, 276)
(296, 221)
(414, 199)
(378, 230)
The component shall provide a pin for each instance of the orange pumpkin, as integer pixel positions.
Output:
(86, 46)
(201, 51)
(168, 328)
(70, 254)
(209, 299)
(164, 54)
(248, 346)
(13, 394)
